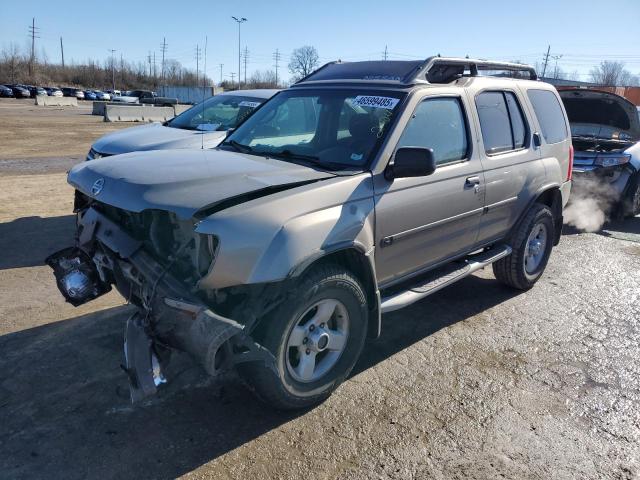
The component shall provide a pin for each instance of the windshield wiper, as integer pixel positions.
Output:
(289, 154)
(239, 146)
(312, 159)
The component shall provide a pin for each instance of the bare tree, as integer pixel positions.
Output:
(608, 73)
(304, 60)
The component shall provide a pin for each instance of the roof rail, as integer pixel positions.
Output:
(409, 72)
(446, 69)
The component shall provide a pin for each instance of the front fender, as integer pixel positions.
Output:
(268, 239)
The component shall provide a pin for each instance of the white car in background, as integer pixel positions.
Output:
(204, 125)
(605, 130)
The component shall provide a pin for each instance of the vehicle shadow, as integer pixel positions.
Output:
(64, 404)
(27, 241)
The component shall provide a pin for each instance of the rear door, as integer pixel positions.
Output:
(512, 165)
(423, 221)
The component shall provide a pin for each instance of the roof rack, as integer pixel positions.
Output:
(447, 69)
(409, 72)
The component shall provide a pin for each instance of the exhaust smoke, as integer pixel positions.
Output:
(591, 204)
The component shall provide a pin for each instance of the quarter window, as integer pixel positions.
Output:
(501, 121)
(439, 124)
(550, 116)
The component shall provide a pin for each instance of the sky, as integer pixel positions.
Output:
(583, 32)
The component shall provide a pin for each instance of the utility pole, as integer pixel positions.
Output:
(154, 67)
(197, 63)
(546, 60)
(555, 70)
(113, 71)
(233, 77)
(386, 53)
(164, 50)
(204, 75)
(221, 65)
(33, 31)
(239, 21)
(276, 57)
(246, 56)
(62, 52)
(149, 60)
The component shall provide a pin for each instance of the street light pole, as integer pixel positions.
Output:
(239, 21)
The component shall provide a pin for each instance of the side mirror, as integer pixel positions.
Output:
(412, 162)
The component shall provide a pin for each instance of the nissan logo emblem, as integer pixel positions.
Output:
(97, 186)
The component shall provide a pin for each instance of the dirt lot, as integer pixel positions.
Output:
(475, 382)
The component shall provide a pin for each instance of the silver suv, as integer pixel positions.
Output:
(362, 189)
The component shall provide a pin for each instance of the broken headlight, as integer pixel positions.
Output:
(612, 160)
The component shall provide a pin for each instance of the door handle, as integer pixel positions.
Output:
(471, 181)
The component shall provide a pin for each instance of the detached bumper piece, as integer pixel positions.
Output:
(141, 363)
(76, 276)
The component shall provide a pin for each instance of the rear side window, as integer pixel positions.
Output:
(439, 124)
(501, 121)
(550, 116)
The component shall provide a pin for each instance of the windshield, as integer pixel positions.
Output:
(220, 112)
(334, 128)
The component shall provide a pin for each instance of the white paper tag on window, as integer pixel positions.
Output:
(375, 102)
(208, 127)
(246, 103)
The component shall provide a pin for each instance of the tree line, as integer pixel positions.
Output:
(17, 67)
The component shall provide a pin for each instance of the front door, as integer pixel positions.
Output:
(423, 221)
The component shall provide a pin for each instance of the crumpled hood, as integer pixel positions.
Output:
(601, 114)
(154, 136)
(183, 181)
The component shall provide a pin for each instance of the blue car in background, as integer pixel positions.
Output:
(90, 95)
(5, 91)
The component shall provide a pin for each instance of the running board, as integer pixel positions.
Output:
(442, 277)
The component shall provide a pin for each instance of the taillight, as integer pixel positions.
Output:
(570, 171)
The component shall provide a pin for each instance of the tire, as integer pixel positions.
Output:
(522, 269)
(289, 335)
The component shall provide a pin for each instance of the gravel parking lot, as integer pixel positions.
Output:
(477, 381)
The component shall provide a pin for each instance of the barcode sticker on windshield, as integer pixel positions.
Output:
(246, 103)
(375, 102)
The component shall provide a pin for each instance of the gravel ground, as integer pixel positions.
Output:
(477, 381)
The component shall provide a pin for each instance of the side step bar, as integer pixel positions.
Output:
(442, 277)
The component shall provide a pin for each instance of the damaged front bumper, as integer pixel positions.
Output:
(169, 315)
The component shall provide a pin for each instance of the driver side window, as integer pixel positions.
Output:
(439, 124)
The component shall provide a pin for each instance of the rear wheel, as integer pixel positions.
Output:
(316, 340)
(532, 242)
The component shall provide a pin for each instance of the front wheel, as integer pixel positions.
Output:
(532, 242)
(316, 338)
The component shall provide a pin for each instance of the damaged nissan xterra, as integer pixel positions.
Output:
(360, 190)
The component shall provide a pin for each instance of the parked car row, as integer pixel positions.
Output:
(31, 91)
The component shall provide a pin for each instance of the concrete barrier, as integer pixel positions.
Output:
(56, 101)
(181, 108)
(137, 113)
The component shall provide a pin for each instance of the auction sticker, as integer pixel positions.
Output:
(246, 103)
(375, 102)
